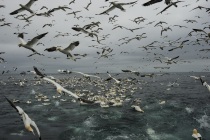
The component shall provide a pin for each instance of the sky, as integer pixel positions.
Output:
(130, 55)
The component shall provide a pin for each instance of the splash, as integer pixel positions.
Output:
(204, 121)
(32, 91)
(189, 110)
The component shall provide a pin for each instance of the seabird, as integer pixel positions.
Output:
(66, 50)
(171, 4)
(117, 81)
(167, 2)
(116, 5)
(137, 108)
(59, 88)
(204, 83)
(26, 120)
(30, 43)
(24, 7)
(135, 72)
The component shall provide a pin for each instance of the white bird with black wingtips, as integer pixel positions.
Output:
(26, 120)
(66, 50)
(24, 7)
(59, 88)
(29, 44)
(204, 83)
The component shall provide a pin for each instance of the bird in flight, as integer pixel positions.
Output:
(59, 88)
(24, 7)
(167, 2)
(26, 120)
(116, 5)
(66, 50)
(30, 43)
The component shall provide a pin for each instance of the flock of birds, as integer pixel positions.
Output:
(196, 36)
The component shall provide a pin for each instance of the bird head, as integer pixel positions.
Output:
(29, 129)
(20, 45)
(59, 90)
(195, 131)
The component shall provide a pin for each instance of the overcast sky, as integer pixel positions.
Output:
(125, 56)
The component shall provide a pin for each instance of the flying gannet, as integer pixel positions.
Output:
(117, 81)
(204, 83)
(24, 7)
(66, 50)
(59, 88)
(30, 43)
(26, 120)
(116, 5)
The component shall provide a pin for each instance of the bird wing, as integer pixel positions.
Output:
(35, 39)
(151, 2)
(53, 82)
(37, 129)
(30, 3)
(21, 36)
(17, 11)
(70, 93)
(164, 9)
(126, 71)
(72, 46)
(52, 49)
(38, 72)
(108, 10)
(94, 76)
(127, 3)
(12, 104)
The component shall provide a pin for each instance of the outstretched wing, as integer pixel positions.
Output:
(11, 103)
(35, 39)
(37, 129)
(52, 49)
(107, 11)
(30, 3)
(127, 3)
(151, 2)
(72, 46)
(38, 72)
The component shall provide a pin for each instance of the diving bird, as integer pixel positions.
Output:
(204, 83)
(24, 7)
(66, 50)
(26, 120)
(59, 88)
(30, 43)
(116, 5)
(167, 2)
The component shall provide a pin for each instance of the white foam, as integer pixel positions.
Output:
(189, 110)
(204, 121)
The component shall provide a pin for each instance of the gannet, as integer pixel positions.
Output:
(117, 81)
(24, 7)
(204, 83)
(30, 43)
(66, 50)
(59, 88)
(155, 1)
(137, 108)
(116, 5)
(26, 120)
